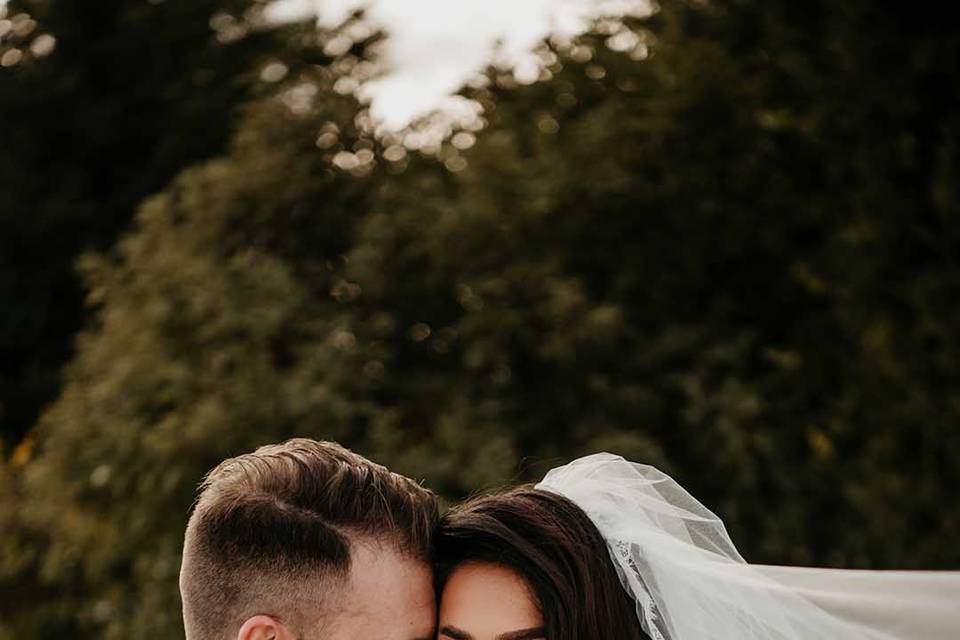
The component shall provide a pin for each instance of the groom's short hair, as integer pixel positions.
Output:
(271, 533)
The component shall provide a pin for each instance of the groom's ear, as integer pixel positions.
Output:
(264, 628)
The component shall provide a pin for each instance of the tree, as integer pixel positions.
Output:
(108, 102)
(712, 260)
(697, 252)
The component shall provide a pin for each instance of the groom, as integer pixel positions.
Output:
(306, 540)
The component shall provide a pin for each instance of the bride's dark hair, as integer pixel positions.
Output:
(556, 548)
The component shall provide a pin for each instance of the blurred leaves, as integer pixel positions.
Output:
(126, 94)
(732, 253)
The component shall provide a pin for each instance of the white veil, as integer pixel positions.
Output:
(676, 560)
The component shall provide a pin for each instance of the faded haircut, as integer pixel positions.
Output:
(271, 533)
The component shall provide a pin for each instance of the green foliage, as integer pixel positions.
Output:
(735, 259)
(131, 93)
(215, 345)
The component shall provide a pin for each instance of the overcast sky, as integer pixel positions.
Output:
(434, 47)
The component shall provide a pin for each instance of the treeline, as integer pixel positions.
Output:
(728, 246)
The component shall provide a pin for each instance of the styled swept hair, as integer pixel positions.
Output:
(271, 533)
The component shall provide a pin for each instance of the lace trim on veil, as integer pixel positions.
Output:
(626, 554)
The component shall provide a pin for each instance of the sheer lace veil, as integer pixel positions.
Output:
(689, 581)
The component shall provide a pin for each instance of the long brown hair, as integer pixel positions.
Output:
(556, 548)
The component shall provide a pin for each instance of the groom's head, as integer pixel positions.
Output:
(306, 539)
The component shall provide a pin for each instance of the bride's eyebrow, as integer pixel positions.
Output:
(537, 633)
(456, 634)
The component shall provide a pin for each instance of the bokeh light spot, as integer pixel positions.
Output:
(274, 72)
(43, 45)
(11, 57)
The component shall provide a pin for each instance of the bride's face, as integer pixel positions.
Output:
(488, 602)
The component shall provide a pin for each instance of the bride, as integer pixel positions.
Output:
(607, 549)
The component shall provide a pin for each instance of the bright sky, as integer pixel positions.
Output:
(434, 47)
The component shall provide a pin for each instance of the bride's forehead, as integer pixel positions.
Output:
(483, 601)
(481, 585)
